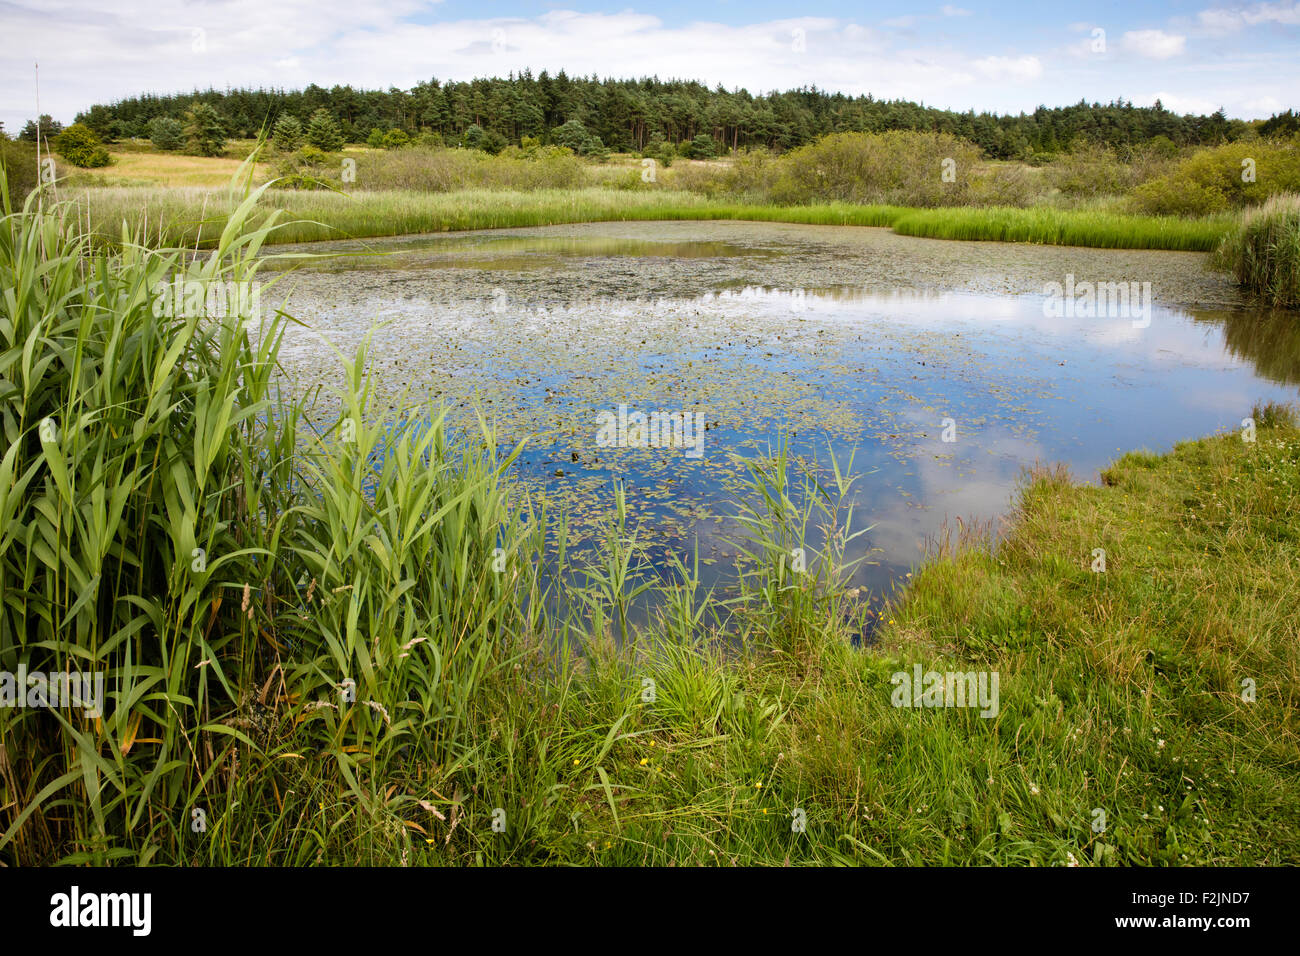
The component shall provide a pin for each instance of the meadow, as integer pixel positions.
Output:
(331, 642)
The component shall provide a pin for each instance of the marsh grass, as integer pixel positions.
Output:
(197, 217)
(1066, 227)
(1263, 251)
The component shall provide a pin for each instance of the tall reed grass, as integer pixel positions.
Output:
(1263, 252)
(172, 522)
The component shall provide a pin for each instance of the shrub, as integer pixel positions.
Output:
(1231, 176)
(323, 132)
(205, 134)
(81, 147)
(900, 167)
(572, 135)
(395, 139)
(1090, 171)
(166, 133)
(702, 146)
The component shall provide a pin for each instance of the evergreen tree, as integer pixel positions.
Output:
(323, 132)
(205, 135)
(288, 133)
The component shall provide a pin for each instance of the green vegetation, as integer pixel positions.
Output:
(205, 134)
(185, 216)
(1066, 227)
(626, 115)
(288, 134)
(166, 133)
(323, 132)
(333, 640)
(1232, 176)
(81, 147)
(18, 161)
(1263, 252)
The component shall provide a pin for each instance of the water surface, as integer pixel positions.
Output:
(848, 341)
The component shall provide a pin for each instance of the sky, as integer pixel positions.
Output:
(1195, 56)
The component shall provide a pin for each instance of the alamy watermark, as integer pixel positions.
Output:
(624, 429)
(1107, 300)
(946, 689)
(57, 690)
(203, 298)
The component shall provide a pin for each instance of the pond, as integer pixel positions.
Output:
(944, 368)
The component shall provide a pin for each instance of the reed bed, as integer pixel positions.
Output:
(1263, 251)
(187, 217)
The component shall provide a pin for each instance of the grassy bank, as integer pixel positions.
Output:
(186, 216)
(1066, 227)
(334, 644)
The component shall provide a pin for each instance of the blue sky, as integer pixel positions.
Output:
(1195, 55)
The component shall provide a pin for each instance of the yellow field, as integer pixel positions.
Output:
(133, 166)
(164, 169)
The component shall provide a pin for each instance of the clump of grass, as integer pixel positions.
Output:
(1274, 415)
(1263, 251)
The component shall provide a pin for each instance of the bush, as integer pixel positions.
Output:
(701, 147)
(573, 135)
(1090, 171)
(900, 168)
(396, 139)
(81, 147)
(323, 132)
(1232, 176)
(205, 134)
(166, 133)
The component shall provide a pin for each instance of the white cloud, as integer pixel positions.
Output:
(1155, 44)
(90, 53)
(948, 10)
(1220, 20)
(1012, 68)
(1178, 104)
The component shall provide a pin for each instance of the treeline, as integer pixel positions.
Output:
(637, 114)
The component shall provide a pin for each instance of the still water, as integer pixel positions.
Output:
(933, 366)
